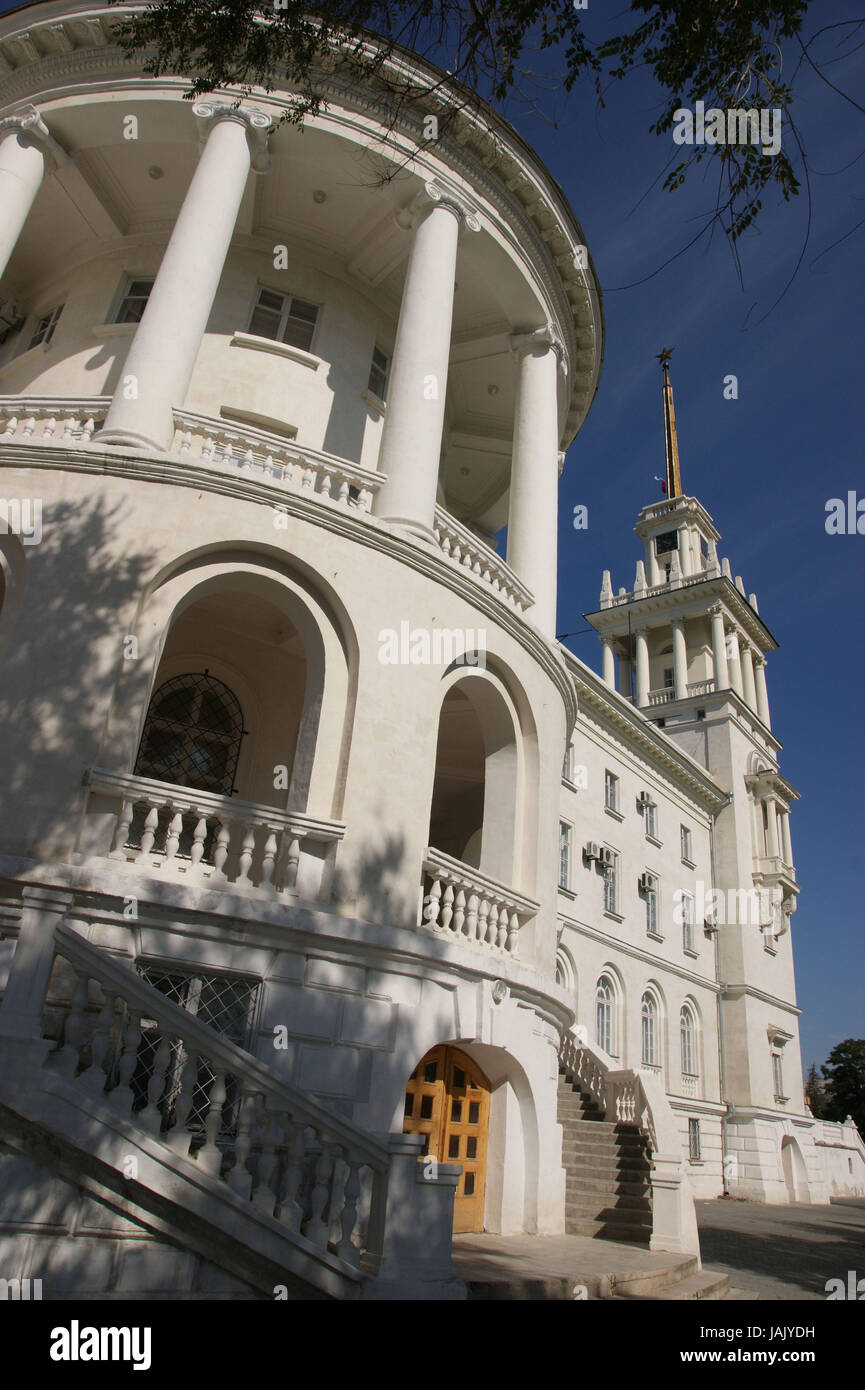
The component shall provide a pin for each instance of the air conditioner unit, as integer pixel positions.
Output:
(592, 851)
(644, 799)
(608, 857)
(646, 883)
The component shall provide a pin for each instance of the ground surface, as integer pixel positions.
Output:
(783, 1252)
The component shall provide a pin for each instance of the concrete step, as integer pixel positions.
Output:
(600, 1230)
(583, 1200)
(587, 1182)
(703, 1286)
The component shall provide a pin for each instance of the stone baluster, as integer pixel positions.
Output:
(240, 1179)
(220, 853)
(121, 833)
(483, 915)
(150, 1117)
(94, 1078)
(351, 1192)
(148, 835)
(460, 912)
(73, 1032)
(316, 1228)
(268, 862)
(447, 907)
(265, 1194)
(513, 933)
(291, 1212)
(172, 838)
(199, 835)
(122, 1096)
(210, 1156)
(246, 851)
(292, 859)
(432, 907)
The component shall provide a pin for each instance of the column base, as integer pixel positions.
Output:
(127, 439)
(409, 526)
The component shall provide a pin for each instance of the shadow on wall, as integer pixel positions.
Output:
(60, 663)
(374, 878)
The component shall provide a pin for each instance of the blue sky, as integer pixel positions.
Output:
(763, 465)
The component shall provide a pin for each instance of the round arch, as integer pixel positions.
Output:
(794, 1170)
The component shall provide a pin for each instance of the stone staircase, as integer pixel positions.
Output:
(607, 1168)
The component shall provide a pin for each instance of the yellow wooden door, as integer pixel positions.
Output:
(448, 1101)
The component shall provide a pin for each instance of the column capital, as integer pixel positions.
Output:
(259, 127)
(29, 123)
(544, 338)
(758, 659)
(433, 195)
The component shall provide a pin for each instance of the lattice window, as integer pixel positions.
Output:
(192, 734)
(225, 1003)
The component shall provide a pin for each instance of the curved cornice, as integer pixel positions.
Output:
(481, 148)
(369, 531)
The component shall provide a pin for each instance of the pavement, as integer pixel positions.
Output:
(784, 1252)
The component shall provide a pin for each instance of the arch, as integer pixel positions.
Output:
(475, 803)
(689, 1039)
(324, 722)
(794, 1170)
(566, 972)
(607, 1012)
(652, 1039)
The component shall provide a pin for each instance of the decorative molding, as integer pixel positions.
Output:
(259, 125)
(29, 123)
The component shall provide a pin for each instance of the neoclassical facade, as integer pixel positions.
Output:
(296, 888)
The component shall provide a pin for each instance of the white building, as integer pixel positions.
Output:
(283, 733)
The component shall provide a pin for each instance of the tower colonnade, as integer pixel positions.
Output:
(159, 365)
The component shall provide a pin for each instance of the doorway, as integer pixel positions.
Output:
(447, 1100)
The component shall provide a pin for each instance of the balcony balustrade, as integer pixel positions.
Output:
(459, 544)
(461, 904)
(202, 839)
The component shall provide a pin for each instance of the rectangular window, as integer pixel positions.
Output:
(284, 318)
(611, 884)
(668, 678)
(651, 896)
(44, 330)
(651, 822)
(566, 764)
(685, 837)
(611, 791)
(694, 1141)
(777, 1074)
(687, 922)
(134, 301)
(378, 373)
(565, 837)
(666, 541)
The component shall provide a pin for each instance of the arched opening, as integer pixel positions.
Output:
(474, 802)
(688, 1043)
(606, 1021)
(192, 734)
(794, 1170)
(447, 1100)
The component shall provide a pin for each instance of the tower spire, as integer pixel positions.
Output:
(674, 480)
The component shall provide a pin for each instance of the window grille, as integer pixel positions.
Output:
(192, 734)
(225, 1003)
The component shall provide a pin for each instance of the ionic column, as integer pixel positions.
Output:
(747, 657)
(642, 646)
(733, 663)
(719, 649)
(534, 487)
(25, 141)
(680, 660)
(786, 846)
(412, 435)
(609, 662)
(160, 361)
(762, 692)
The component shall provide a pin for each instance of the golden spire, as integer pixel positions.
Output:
(674, 480)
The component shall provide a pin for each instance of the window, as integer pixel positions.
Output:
(611, 791)
(688, 1041)
(284, 318)
(651, 820)
(778, 1075)
(694, 1140)
(605, 1035)
(192, 734)
(611, 883)
(134, 302)
(45, 325)
(378, 373)
(567, 764)
(687, 922)
(649, 1017)
(650, 895)
(668, 678)
(565, 843)
(667, 541)
(685, 837)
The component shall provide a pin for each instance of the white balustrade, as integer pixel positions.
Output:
(467, 550)
(664, 696)
(458, 903)
(199, 837)
(214, 1104)
(51, 420)
(701, 687)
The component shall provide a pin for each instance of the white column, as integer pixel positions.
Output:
(719, 649)
(160, 361)
(412, 435)
(609, 662)
(772, 826)
(747, 657)
(733, 663)
(786, 846)
(24, 142)
(642, 667)
(762, 692)
(680, 660)
(534, 489)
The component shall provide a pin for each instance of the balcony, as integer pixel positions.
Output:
(460, 904)
(203, 840)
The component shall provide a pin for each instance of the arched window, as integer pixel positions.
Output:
(605, 1034)
(688, 1040)
(649, 1014)
(192, 734)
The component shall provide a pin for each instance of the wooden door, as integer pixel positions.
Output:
(448, 1101)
